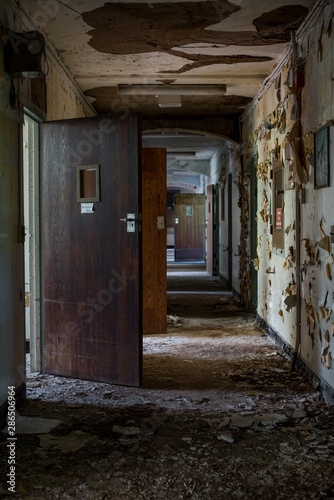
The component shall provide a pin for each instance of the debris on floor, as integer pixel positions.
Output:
(173, 320)
(27, 425)
(220, 416)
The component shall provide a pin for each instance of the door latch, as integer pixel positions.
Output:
(130, 223)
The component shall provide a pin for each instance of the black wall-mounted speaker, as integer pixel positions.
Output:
(23, 54)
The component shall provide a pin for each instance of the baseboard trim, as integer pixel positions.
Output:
(236, 294)
(301, 366)
(20, 395)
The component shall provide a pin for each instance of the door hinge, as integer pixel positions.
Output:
(21, 233)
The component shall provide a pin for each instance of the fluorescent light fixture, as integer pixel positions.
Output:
(168, 90)
(181, 154)
(171, 135)
(169, 101)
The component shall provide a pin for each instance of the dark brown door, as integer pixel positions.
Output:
(209, 214)
(154, 187)
(92, 264)
(188, 227)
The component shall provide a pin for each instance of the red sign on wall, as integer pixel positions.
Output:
(278, 218)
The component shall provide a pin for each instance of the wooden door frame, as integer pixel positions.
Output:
(230, 231)
(209, 207)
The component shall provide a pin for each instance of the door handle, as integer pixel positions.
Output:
(130, 223)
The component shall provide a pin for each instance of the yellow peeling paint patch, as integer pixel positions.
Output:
(325, 243)
(328, 272)
(324, 313)
(27, 299)
(331, 328)
(327, 359)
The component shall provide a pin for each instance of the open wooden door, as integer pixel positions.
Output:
(154, 186)
(92, 248)
(209, 218)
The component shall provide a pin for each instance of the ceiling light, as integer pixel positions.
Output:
(169, 101)
(167, 90)
(183, 154)
(171, 135)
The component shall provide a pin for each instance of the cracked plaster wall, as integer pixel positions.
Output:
(269, 126)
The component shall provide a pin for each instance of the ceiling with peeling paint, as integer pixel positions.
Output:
(107, 44)
(104, 44)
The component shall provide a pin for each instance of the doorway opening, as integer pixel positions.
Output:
(32, 245)
(185, 227)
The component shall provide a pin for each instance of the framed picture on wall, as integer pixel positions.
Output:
(321, 158)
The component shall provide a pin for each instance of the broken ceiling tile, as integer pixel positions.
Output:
(126, 431)
(32, 425)
(272, 419)
(241, 422)
(66, 444)
(227, 436)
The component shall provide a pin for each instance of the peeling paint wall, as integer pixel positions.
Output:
(61, 101)
(281, 126)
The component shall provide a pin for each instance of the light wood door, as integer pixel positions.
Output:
(188, 224)
(154, 189)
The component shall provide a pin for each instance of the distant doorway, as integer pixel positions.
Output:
(189, 228)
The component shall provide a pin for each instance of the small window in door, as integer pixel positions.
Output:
(278, 204)
(88, 183)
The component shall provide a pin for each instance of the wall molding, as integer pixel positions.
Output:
(313, 378)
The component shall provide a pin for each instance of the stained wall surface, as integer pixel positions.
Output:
(282, 126)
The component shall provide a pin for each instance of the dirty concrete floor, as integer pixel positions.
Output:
(220, 416)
